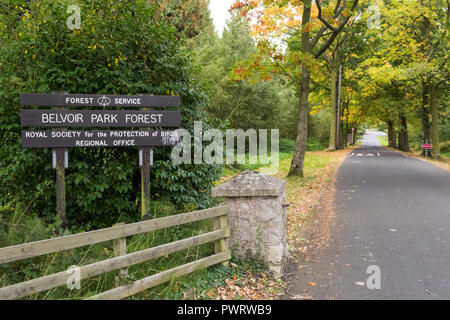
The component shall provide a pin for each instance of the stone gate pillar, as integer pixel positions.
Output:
(257, 217)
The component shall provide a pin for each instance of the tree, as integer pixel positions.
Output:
(433, 18)
(410, 61)
(307, 38)
(190, 17)
(238, 103)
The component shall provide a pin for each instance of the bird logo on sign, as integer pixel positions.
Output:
(104, 101)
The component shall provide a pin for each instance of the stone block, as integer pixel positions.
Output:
(257, 217)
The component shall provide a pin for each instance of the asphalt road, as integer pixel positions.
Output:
(393, 212)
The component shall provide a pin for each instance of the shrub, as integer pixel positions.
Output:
(121, 49)
(287, 145)
(315, 145)
(445, 147)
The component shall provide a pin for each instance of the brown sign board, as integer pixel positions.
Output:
(90, 139)
(97, 100)
(99, 118)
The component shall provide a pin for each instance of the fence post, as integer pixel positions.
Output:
(221, 223)
(120, 249)
(60, 154)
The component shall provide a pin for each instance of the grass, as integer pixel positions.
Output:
(286, 149)
(230, 170)
(314, 166)
(383, 140)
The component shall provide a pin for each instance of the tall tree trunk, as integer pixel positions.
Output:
(435, 122)
(302, 128)
(400, 140)
(333, 104)
(403, 134)
(354, 134)
(394, 138)
(338, 107)
(346, 125)
(424, 114)
(391, 134)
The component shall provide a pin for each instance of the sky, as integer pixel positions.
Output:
(219, 13)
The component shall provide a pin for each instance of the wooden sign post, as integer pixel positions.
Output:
(144, 154)
(60, 154)
(145, 184)
(62, 139)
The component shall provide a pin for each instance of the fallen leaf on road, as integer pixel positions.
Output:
(430, 292)
(302, 297)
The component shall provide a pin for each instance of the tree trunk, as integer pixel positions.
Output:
(403, 140)
(435, 122)
(400, 140)
(338, 108)
(302, 128)
(405, 133)
(424, 114)
(391, 134)
(346, 125)
(394, 138)
(342, 135)
(355, 134)
(333, 104)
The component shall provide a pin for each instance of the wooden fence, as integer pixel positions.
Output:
(122, 260)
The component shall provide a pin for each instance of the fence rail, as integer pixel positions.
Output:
(122, 260)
